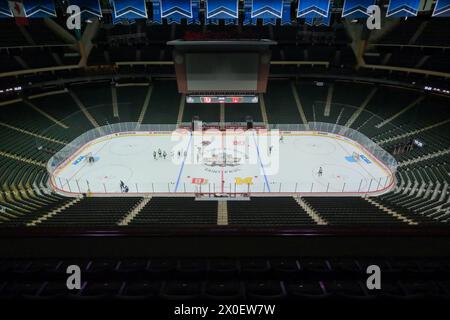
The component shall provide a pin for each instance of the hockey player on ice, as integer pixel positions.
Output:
(320, 172)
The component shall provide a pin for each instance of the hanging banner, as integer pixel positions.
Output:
(267, 9)
(222, 9)
(403, 8)
(313, 8)
(129, 9)
(89, 7)
(309, 21)
(286, 16)
(176, 8)
(39, 8)
(248, 21)
(5, 11)
(195, 12)
(356, 8)
(442, 8)
(156, 17)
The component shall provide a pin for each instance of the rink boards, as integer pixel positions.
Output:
(223, 166)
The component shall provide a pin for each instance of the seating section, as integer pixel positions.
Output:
(207, 112)
(177, 211)
(93, 212)
(8, 62)
(17, 174)
(416, 43)
(25, 211)
(350, 211)
(433, 33)
(140, 42)
(421, 195)
(33, 46)
(130, 100)
(280, 103)
(267, 212)
(10, 34)
(402, 32)
(282, 278)
(164, 103)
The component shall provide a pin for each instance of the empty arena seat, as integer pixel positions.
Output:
(94, 212)
(177, 211)
(404, 283)
(350, 210)
(269, 212)
(224, 290)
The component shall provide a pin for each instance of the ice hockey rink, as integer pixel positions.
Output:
(218, 162)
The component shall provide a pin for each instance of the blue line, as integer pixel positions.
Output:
(262, 167)
(182, 164)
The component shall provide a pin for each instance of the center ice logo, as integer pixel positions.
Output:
(232, 148)
(222, 159)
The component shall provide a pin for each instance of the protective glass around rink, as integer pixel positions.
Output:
(138, 159)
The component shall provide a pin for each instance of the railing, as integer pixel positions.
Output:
(38, 70)
(407, 70)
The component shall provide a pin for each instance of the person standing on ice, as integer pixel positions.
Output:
(159, 153)
(164, 155)
(320, 172)
(270, 149)
(154, 155)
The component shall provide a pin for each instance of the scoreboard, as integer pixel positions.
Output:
(208, 69)
(222, 99)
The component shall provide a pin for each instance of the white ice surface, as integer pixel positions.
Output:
(291, 167)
